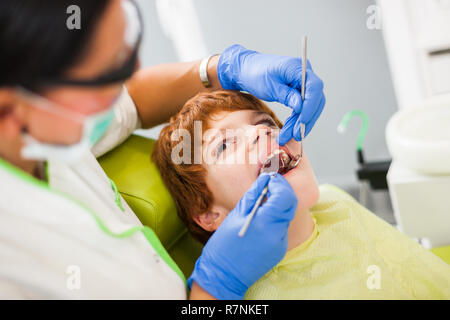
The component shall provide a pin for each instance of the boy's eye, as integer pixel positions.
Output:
(267, 121)
(223, 146)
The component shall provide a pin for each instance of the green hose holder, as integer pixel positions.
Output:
(362, 132)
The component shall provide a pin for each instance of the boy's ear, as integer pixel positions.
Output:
(209, 221)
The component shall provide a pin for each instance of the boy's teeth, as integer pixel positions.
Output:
(282, 162)
(285, 158)
(293, 163)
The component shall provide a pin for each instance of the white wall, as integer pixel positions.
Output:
(349, 58)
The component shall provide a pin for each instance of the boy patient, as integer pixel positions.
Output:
(337, 249)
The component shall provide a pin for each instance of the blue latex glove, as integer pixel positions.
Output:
(229, 265)
(274, 78)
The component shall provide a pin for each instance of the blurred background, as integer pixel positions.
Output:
(350, 58)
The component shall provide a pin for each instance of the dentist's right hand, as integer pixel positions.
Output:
(229, 265)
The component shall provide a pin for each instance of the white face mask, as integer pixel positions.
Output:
(94, 128)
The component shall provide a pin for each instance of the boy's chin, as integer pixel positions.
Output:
(304, 184)
(293, 177)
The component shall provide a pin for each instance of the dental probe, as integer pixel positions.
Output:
(255, 207)
(305, 39)
(302, 125)
(304, 60)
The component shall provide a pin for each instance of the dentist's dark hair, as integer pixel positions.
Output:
(35, 41)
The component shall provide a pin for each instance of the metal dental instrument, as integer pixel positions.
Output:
(297, 158)
(294, 162)
(305, 39)
(304, 60)
(255, 207)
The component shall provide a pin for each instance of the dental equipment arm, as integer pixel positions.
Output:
(229, 264)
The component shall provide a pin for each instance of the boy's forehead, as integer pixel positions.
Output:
(233, 119)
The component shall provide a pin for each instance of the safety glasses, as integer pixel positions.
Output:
(129, 54)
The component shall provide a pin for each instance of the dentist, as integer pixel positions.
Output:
(68, 96)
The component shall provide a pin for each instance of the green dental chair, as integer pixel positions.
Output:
(140, 184)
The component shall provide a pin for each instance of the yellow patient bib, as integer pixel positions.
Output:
(353, 254)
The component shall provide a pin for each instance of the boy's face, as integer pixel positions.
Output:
(238, 145)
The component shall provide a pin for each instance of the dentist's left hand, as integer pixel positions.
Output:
(274, 78)
(229, 265)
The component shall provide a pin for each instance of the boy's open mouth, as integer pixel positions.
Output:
(280, 160)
